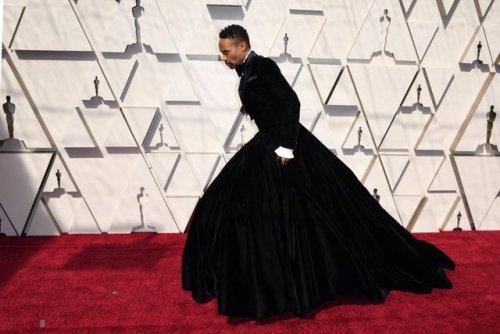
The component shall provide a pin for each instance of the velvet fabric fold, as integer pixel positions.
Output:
(266, 239)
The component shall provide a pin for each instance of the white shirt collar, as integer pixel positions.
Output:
(248, 53)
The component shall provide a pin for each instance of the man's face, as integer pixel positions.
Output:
(233, 52)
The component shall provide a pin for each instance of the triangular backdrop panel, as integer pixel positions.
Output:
(398, 90)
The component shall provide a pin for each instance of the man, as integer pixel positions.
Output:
(261, 84)
(274, 233)
(9, 109)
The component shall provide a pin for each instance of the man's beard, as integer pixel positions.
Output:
(230, 65)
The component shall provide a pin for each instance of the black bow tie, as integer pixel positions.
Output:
(240, 69)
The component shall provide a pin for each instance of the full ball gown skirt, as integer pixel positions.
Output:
(266, 239)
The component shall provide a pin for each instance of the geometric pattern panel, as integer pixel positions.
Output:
(22, 175)
(123, 112)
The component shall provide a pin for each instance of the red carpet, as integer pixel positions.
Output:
(131, 284)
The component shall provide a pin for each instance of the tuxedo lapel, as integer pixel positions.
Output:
(247, 70)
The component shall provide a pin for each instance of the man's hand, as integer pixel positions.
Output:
(283, 161)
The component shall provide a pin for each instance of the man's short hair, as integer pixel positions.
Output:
(236, 32)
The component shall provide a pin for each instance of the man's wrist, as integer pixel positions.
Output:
(284, 152)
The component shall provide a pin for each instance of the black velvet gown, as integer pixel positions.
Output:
(266, 239)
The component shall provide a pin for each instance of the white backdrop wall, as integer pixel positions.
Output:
(136, 154)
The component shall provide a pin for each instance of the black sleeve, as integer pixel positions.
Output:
(287, 110)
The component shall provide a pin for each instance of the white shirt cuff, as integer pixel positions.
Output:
(284, 152)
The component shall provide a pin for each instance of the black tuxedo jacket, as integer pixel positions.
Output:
(268, 99)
